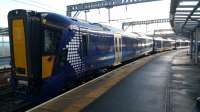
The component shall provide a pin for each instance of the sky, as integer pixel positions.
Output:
(134, 12)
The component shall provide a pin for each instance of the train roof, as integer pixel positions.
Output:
(180, 40)
(140, 35)
(187, 41)
(65, 21)
(159, 38)
(169, 39)
(96, 26)
(145, 36)
(130, 35)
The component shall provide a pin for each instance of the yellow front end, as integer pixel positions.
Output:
(19, 47)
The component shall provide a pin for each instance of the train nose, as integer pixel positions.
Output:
(25, 53)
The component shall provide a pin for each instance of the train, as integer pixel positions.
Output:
(50, 51)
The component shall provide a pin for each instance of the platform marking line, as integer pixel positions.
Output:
(107, 81)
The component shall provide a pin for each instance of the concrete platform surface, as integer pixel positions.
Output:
(169, 83)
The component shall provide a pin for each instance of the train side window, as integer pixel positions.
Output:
(50, 41)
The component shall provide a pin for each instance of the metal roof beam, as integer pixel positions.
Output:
(189, 16)
(102, 4)
(147, 22)
(174, 4)
(144, 22)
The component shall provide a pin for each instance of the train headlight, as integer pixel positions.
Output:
(44, 21)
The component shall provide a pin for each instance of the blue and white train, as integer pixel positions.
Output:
(50, 51)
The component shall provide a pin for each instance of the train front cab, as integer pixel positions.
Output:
(32, 56)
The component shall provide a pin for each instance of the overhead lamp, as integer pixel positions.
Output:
(195, 16)
(186, 8)
(176, 18)
(181, 16)
(188, 3)
(196, 13)
(182, 12)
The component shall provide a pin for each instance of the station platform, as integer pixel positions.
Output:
(165, 82)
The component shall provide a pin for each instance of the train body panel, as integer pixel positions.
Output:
(145, 44)
(62, 50)
(101, 51)
(182, 44)
(129, 48)
(161, 44)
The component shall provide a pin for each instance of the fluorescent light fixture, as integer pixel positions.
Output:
(195, 16)
(188, 3)
(184, 9)
(181, 16)
(182, 12)
(178, 19)
(196, 13)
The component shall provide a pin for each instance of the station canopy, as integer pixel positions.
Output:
(185, 16)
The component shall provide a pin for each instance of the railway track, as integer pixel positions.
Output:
(4, 77)
(5, 69)
(9, 102)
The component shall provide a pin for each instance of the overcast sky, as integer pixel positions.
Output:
(135, 12)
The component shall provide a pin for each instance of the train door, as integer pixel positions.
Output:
(84, 37)
(118, 48)
(84, 43)
(50, 39)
